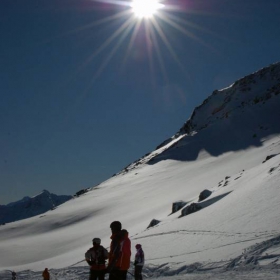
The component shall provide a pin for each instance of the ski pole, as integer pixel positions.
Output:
(130, 273)
(145, 275)
(76, 263)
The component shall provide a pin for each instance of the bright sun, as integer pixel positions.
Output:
(145, 8)
(154, 20)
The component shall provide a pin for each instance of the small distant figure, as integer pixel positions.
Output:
(46, 274)
(139, 262)
(14, 275)
(96, 258)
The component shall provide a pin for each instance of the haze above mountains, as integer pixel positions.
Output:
(230, 146)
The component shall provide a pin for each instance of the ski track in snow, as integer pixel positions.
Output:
(82, 273)
(260, 261)
(250, 236)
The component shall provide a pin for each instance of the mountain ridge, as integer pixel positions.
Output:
(28, 207)
(253, 89)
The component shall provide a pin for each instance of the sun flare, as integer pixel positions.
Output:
(145, 26)
(145, 8)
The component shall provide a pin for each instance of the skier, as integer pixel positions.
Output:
(96, 258)
(138, 262)
(120, 252)
(14, 275)
(46, 274)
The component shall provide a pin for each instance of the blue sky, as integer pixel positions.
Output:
(69, 123)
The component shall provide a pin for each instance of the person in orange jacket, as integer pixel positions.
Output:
(96, 258)
(46, 274)
(120, 252)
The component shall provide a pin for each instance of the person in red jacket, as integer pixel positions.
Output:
(120, 252)
(96, 258)
(46, 274)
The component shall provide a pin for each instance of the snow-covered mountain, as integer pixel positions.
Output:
(31, 206)
(229, 106)
(229, 146)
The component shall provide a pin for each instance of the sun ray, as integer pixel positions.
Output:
(131, 42)
(105, 20)
(105, 44)
(184, 31)
(158, 54)
(167, 44)
(127, 26)
(186, 22)
(111, 38)
(149, 50)
(170, 19)
(175, 25)
(113, 51)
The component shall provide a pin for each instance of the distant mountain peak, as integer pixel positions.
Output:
(31, 206)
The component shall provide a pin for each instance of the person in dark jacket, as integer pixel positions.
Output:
(14, 275)
(96, 258)
(120, 252)
(138, 262)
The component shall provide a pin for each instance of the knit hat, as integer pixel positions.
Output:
(96, 240)
(116, 225)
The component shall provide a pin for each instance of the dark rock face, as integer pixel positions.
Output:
(194, 207)
(178, 205)
(153, 223)
(204, 194)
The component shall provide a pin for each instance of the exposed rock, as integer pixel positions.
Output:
(194, 207)
(178, 205)
(80, 192)
(268, 158)
(204, 194)
(153, 223)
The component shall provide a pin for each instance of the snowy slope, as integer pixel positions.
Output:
(230, 145)
(31, 206)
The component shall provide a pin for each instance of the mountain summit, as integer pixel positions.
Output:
(248, 109)
(252, 90)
